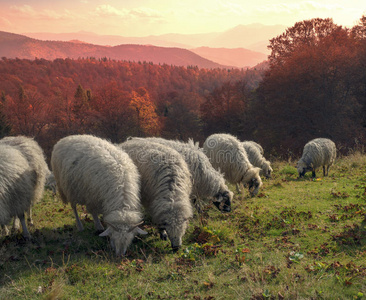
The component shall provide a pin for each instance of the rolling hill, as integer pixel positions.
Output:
(19, 46)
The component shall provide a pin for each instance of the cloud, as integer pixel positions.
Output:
(26, 11)
(5, 23)
(107, 10)
(299, 7)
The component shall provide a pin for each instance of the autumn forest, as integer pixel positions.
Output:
(315, 86)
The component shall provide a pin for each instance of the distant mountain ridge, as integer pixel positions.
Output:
(254, 37)
(240, 57)
(19, 46)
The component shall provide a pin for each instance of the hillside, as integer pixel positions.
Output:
(18, 46)
(298, 239)
(238, 57)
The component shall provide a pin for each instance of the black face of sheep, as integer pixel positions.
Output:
(223, 201)
(304, 170)
(253, 185)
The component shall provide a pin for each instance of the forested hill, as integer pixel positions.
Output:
(114, 99)
(19, 46)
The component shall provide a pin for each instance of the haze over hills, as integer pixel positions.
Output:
(239, 57)
(19, 46)
(254, 37)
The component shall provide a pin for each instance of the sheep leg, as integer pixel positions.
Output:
(5, 229)
(78, 222)
(238, 189)
(163, 235)
(30, 219)
(324, 171)
(98, 225)
(16, 225)
(197, 205)
(24, 226)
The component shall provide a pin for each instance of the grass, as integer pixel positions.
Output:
(298, 239)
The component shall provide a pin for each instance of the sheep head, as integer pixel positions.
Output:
(222, 200)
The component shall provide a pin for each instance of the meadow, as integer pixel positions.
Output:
(298, 239)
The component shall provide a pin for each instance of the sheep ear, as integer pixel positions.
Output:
(140, 231)
(106, 232)
(112, 226)
(135, 226)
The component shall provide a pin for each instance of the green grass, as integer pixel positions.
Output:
(299, 239)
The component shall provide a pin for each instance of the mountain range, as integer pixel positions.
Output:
(253, 37)
(211, 50)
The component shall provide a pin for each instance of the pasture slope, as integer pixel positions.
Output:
(298, 239)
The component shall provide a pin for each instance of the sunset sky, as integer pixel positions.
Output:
(154, 17)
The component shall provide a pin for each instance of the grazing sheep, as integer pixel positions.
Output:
(227, 155)
(165, 187)
(255, 156)
(93, 172)
(33, 153)
(51, 182)
(23, 173)
(255, 144)
(207, 182)
(318, 152)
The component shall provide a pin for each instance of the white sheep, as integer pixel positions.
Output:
(165, 187)
(255, 144)
(320, 152)
(23, 178)
(227, 154)
(93, 172)
(50, 183)
(255, 156)
(207, 182)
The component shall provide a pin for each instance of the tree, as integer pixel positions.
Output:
(112, 113)
(305, 33)
(224, 108)
(307, 92)
(5, 128)
(145, 112)
(28, 113)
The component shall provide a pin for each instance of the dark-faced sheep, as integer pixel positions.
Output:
(257, 159)
(320, 152)
(93, 172)
(227, 154)
(207, 182)
(23, 178)
(165, 187)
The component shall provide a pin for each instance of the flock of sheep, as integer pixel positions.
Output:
(161, 178)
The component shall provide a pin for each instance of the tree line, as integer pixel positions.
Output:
(315, 86)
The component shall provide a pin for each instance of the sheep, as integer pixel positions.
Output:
(228, 155)
(93, 172)
(255, 156)
(318, 152)
(255, 144)
(207, 182)
(165, 187)
(33, 153)
(50, 183)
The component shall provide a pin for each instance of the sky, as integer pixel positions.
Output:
(155, 17)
